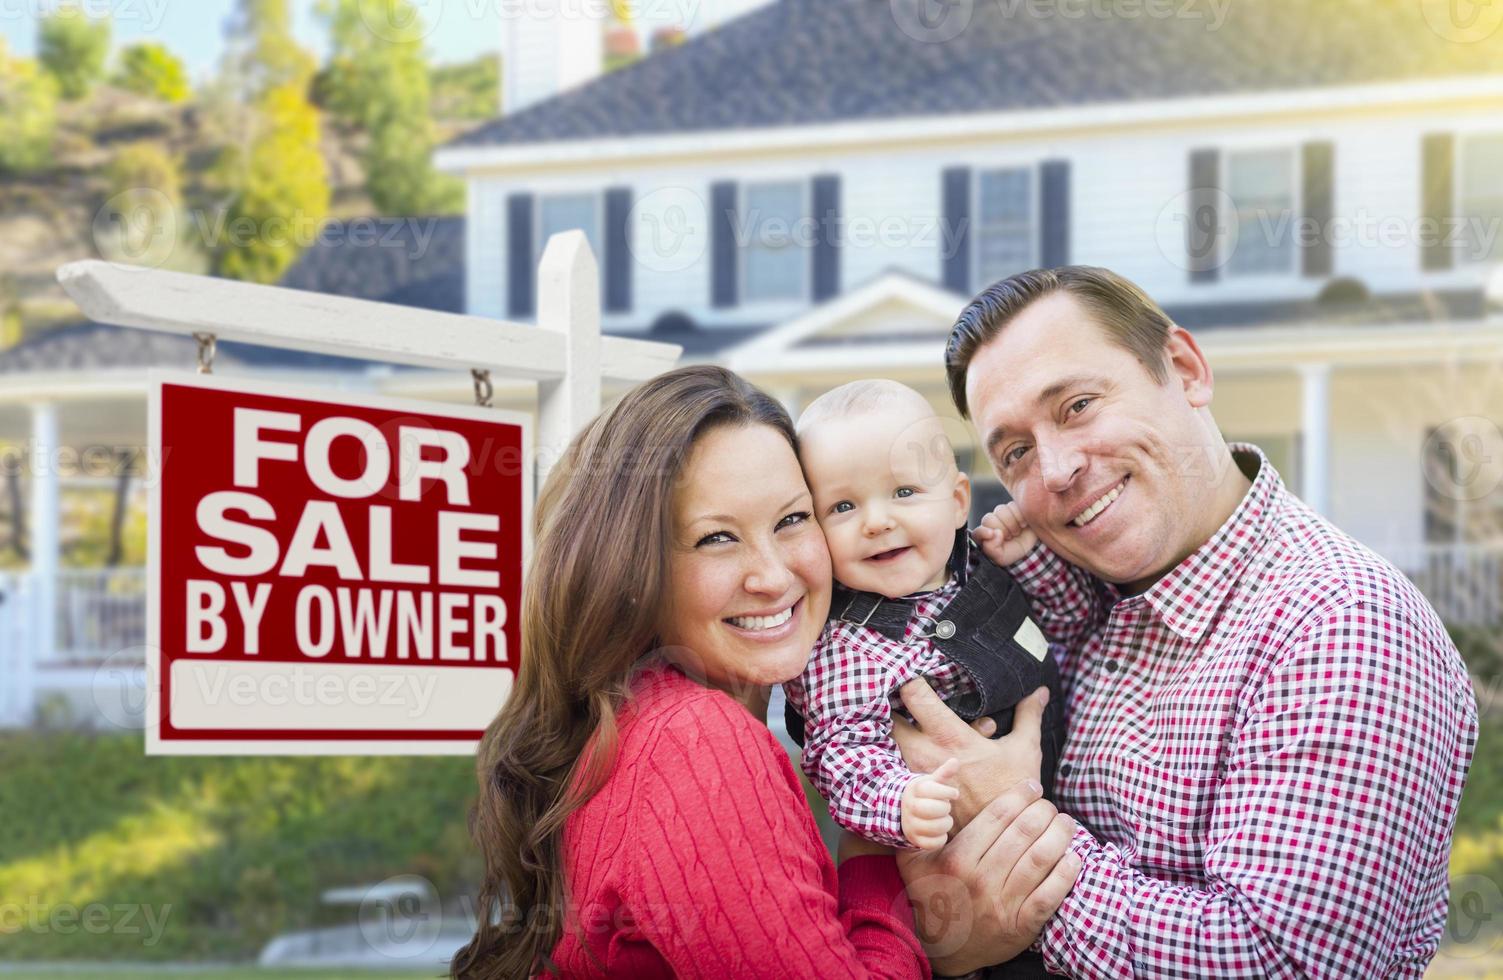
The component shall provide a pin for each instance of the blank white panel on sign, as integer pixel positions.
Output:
(277, 696)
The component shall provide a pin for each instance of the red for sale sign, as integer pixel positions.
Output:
(330, 575)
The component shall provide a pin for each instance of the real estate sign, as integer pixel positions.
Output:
(330, 574)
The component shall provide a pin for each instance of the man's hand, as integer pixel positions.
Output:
(926, 807)
(987, 766)
(984, 897)
(1004, 536)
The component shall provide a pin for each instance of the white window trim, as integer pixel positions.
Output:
(1035, 215)
(1458, 192)
(1296, 205)
(805, 187)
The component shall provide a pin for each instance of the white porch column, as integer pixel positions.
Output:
(1315, 432)
(44, 527)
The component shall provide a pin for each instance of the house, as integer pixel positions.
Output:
(1315, 189)
(811, 191)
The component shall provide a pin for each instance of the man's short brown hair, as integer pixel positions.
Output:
(1130, 319)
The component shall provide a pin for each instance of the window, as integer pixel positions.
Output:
(1481, 204)
(564, 212)
(773, 266)
(1004, 231)
(1261, 186)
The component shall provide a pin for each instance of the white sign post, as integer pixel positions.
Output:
(297, 623)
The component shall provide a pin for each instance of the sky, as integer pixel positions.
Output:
(194, 29)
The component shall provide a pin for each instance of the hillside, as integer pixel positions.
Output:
(58, 214)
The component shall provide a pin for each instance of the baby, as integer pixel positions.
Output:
(913, 598)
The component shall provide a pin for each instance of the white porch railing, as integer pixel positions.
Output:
(100, 612)
(1464, 582)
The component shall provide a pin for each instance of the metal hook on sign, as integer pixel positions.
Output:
(206, 348)
(483, 387)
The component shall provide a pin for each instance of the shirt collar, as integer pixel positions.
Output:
(1189, 596)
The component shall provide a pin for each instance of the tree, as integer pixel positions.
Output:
(279, 186)
(73, 49)
(469, 90)
(274, 177)
(28, 114)
(150, 69)
(260, 51)
(377, 81)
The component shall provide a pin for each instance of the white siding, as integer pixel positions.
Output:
(1123, 192)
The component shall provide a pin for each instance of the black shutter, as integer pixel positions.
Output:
(617, 250)
(825, 262)
(955, 232)
(1438, 201)
(1203, 221)
(521, 266)
(1316, 255)
(723, 244)
(1054, 213)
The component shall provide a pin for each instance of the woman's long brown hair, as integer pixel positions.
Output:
(589, 614)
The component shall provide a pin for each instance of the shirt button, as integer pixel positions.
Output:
(1066, 769)
(945, 629)
(1111, 666)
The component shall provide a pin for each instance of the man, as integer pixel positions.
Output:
(1268, 727)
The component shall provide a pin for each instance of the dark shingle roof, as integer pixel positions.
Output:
(804, 62)
(408, 261)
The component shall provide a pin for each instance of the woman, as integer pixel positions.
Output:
(635, 815)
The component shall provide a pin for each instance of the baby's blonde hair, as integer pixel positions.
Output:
(865, 395)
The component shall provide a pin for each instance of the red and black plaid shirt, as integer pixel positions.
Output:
(848, 695)
(1265, 756)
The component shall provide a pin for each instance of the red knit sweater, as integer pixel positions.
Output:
(699, 857)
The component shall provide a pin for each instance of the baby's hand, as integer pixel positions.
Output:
(1004, 535)
(926, 807)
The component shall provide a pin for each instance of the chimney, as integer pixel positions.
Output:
(667, 37)
(549, 47)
